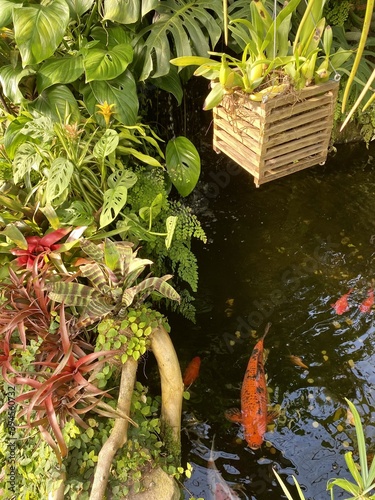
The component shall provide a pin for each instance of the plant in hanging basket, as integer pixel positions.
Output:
(260, 100)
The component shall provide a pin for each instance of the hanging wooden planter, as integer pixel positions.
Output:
(275, 138)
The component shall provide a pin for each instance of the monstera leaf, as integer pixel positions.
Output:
(183, 164)
(189, 23)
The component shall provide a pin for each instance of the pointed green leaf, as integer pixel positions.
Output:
(122, 11)
(15, 235)
(353, 469)
(149, 160)
(39, 30)
(170, 83)
(14, 135)
(6, 11)
(79, 7)
(10, 77)
(58, 103)
(59, 70)
(214, 98)
(122, 93)
(114, 201)
(58, 180)
(183, 164)
(107, 64)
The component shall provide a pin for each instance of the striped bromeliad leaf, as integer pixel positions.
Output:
(72, 294)
(96, 275)
(150, 284)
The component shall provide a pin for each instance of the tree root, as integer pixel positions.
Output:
(118, 436)
(172, 388)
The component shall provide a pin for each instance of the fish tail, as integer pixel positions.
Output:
(266, 330)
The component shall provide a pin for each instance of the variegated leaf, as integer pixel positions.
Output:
(95, 274)
(58, 180)
(96, 309)
(92, 250)
(158, 284)
(111, 255)
(72, 294)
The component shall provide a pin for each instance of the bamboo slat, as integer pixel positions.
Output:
(271, 139)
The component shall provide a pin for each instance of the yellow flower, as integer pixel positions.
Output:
(105, 109)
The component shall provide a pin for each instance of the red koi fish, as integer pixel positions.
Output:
(253, 415)
(341, 305)
(218, 487)
(192, 371)
(367, 304)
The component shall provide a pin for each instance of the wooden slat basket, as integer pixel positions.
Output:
(275, 138)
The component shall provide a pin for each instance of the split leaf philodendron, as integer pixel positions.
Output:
(271, 61)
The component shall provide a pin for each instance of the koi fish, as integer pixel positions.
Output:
(253, 415)
(192, 371)
(367, 304)
(218, 487)
(341, 305)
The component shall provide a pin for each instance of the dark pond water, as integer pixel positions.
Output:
(282, 253)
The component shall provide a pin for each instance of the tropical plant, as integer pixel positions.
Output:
(271, 56)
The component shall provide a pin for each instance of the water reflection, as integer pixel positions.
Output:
(283, 253)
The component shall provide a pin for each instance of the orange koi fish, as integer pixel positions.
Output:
(341, 305)
(218, 487)
(296, 360)
(192, 371)
(253, 415)
(367, 304)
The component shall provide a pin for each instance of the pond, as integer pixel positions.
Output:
(282, 253)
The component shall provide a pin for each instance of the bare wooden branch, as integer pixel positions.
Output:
(118, 436)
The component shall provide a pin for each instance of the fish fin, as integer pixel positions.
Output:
(272, 415)
(233, 415)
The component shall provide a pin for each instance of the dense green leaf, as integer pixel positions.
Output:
(6, 11)
(189, 22)
(110, 37)
(122, 11)
(59, 70)
(183, 164)
(58, 103)
(59, 177)
(103, 64)
(79, 7)
(39, 30)
(106, 144)
(120, 92)
(25, 160)
(170, 83)
(10, 77)
(114, 201)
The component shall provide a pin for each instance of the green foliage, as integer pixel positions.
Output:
(363, 486)
(337, 13)
(130, 336)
